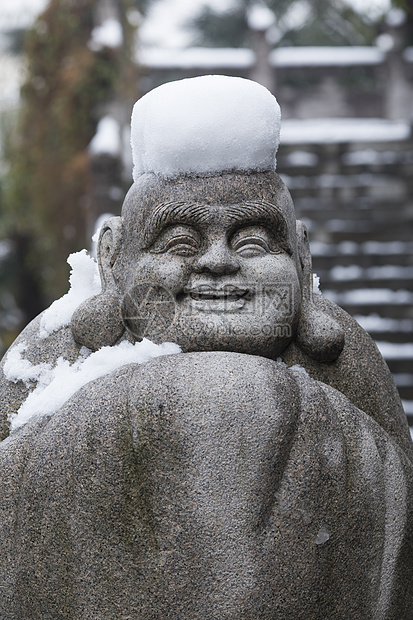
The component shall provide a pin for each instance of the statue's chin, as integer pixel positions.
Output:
(254, 346)
(268, 350)
(266, 336)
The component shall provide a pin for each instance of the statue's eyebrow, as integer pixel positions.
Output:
(257, 211)
(265, 213)
(168, 213)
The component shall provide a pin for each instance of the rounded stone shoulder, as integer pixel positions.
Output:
(360, 373)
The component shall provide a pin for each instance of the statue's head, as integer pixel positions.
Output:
(207, 252)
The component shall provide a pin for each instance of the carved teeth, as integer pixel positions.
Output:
(199, 296)
(227, 293)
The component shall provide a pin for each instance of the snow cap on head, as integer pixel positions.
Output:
(205, 125)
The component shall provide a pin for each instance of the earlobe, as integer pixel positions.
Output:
(97, 322)
(318, 334)
(109, 244)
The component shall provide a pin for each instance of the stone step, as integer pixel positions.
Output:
(408, 408)
(400, 366)
(395, 304)
(357, 202)
(361, 234)
(351, 221)
(311, 197)
(306, 204)
(396, 337)
(330, 280)
(391, 312)
(406, 394)
(313, 202)
(364, 261)
(373, 248)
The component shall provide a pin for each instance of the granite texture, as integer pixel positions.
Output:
(221, 482)
(205, 485)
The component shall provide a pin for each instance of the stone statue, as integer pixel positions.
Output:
(264, 472)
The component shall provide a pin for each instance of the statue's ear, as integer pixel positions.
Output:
(97, 322)
(109, 244)
(304, 258)
(318, 334)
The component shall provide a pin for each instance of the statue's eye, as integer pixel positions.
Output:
(252, 241)
(178, 240)
(252, 249)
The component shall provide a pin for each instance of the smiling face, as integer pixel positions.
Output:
(210, 263)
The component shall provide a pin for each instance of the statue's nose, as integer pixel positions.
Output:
(217, 259)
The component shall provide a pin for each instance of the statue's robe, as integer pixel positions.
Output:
(209, 486)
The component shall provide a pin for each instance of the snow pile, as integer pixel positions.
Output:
(369, 157)
(16, 368)
(298, 368)
(323, 536)
(345, 248)
(396, 350)
(301, 158)
(375, 323)
(408, 408)
(107, 138)
(343, 273)
(84, 283)
(240, 58)
(333, 130)
(55, 385)
(205, 125)
(196, 58)
(326, 56)
(390, 272)
(371, 296)
(403, 379)
(316, 283)
(387, 247)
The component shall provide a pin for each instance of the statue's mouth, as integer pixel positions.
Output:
(206, 292)
(224, 298)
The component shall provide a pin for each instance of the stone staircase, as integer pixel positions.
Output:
(356, 199)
